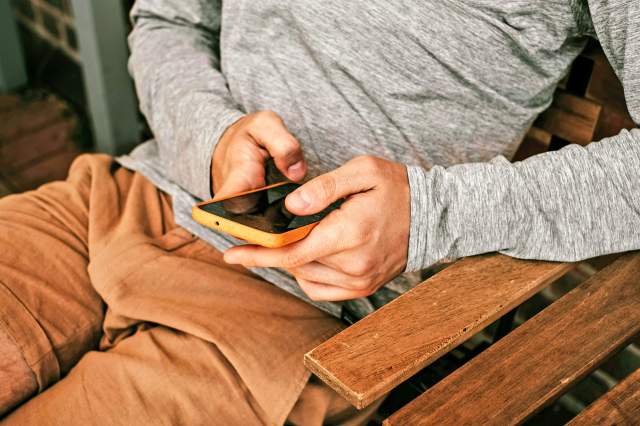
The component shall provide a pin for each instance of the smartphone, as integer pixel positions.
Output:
(259, 216)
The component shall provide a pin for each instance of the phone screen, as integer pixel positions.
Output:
(265, 210)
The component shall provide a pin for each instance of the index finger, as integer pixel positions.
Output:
(271, 134)
(321, 242)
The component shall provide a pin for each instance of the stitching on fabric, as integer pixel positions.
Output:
(6, 330)
(74, 333)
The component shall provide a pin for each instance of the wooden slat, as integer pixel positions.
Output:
(610, 124)
(371, 357)
(539, 360)
(604, 86)
(31, 116)
(536, 141)
(571, 118)
(619, 406)
(8, 102)
(25, 150)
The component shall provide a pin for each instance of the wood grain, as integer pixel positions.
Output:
(27, 117)
(571, 118)
(605, 89)
(610, 124)
(538, 361)
(371, 357)
(619, 406)
(536, 141)
(604, 86)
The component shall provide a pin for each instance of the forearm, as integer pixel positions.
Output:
(567, 205)
(182, 93)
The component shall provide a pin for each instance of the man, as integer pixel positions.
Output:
(375, 101)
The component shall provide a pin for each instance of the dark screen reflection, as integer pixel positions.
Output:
(265, 210)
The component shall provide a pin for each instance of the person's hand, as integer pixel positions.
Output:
(238, 162)
(355, 249)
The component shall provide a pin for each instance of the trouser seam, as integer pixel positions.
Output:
(75, 334)
(7, 330)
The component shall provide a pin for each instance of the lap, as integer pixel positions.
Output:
(104, 241)
(49, 313)
(156, 376)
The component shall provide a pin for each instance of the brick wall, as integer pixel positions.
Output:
(51, 20)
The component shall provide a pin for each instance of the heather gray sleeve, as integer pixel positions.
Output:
(567, 205)
(182, 92)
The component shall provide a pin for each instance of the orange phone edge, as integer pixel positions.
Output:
(247, 233)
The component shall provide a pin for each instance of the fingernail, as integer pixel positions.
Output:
(298, 200)
(296, 170)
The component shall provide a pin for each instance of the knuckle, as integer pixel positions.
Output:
(327, 186)
(361, 266)
(267, 115)
(292, 260)
(367, 291)
(362, 286)
(368, 162)
(261, 119)
(287, 146)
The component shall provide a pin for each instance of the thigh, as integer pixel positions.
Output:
(261, 331)
(49, 313)
(148, 270)
(157, 376)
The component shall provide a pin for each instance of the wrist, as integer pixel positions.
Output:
(224, 132)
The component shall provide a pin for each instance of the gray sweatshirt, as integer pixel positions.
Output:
(446, 87)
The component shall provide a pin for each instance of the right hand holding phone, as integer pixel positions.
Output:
(357, 248)
(239, 159)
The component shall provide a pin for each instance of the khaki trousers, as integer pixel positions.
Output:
(112, 314)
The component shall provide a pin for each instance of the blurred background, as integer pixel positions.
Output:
(65, 89)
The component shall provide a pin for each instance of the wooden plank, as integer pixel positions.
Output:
(541, 359)
(611, 123)
(8, 102)
(48, 169)
(27, 149)
(571, 118)
(30, 117)
(619, 406)
(536, 141)
(605, 88)
(371, 357)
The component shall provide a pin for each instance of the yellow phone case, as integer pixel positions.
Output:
(247, 233)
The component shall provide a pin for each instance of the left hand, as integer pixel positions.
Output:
(355, 249)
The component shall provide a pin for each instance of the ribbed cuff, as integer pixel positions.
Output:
(419, 190)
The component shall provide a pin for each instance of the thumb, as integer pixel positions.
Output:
(320, 192)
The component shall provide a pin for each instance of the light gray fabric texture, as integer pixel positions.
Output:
(446, 87)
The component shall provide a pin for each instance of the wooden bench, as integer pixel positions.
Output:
(535, 364)
(619, 406)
